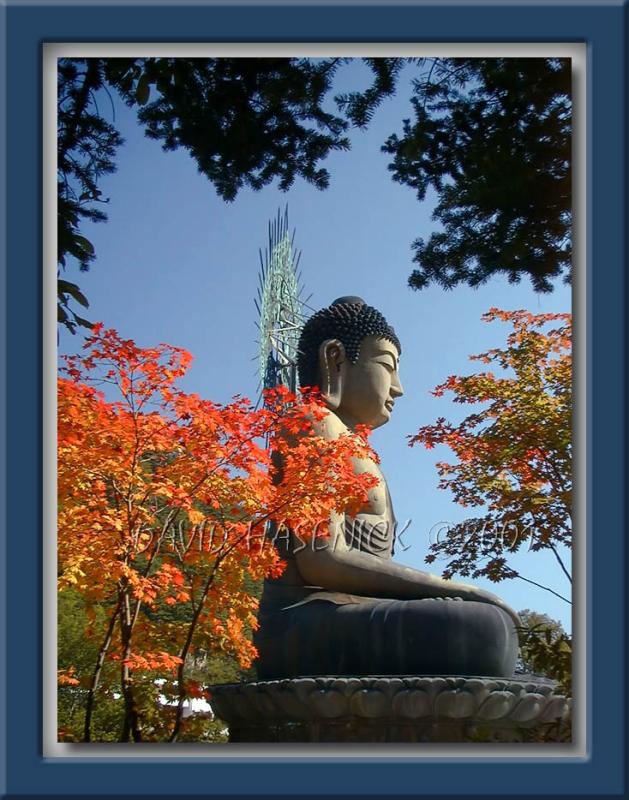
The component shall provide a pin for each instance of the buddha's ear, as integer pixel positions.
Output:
(332, 369)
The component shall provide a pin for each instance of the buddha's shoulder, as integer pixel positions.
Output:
(329, 426)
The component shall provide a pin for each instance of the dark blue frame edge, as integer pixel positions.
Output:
(3, 394)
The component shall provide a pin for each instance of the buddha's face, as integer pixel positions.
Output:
(371, 385)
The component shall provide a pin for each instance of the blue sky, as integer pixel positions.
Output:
(177, 264)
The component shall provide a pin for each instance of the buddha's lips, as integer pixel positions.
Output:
(389, 405)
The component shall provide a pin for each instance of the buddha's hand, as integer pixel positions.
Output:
(474, 593)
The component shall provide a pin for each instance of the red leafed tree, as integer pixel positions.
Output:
(163, 503)
(513, 453)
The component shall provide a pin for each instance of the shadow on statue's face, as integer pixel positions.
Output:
(371, 385)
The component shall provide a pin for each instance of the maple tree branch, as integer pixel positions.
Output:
(197, 612)
(145, 572)
(546, 588)
(559, 560)
(199, 608)
(136, 450)
(236, 476)
(186, 648)
(100, 660)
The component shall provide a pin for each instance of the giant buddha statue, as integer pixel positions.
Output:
(349, 609)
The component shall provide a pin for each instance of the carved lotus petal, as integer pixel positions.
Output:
(481, 687)
(370, 703)
(389, 686)
(290, 704)
(433, 686)
(529, 707)
(455, 704)
(263, 702)
(556, 708)
(349, 685)
(407, 698)
(497, 705)
(412, 703)
(303, 687)
(329, 703)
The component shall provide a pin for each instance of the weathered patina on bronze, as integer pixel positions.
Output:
(344, 607)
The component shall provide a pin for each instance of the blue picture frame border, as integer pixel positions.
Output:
(604, 28)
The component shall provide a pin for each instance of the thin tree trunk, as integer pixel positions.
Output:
(195, 618)
(100, 660)
(131, 726)
(186, 649)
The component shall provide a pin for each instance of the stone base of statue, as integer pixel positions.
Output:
(393, 709)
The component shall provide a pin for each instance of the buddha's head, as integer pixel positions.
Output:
(350, 352)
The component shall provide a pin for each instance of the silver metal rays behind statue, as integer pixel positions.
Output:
(280, 307)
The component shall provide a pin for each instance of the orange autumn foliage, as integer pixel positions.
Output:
(513, 454)
(65, 677)
(164, 499)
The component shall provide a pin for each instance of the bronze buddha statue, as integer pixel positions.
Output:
(344, 607)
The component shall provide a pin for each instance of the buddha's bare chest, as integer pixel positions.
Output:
(378, 507)
(378, 504)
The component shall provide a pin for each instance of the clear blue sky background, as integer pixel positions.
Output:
(177, 264)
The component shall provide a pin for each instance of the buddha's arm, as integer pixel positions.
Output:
(332, 565)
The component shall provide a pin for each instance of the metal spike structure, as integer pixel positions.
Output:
(280, 307)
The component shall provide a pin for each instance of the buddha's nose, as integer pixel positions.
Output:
(396, 388)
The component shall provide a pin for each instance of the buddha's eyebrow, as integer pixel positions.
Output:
(383, 352)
